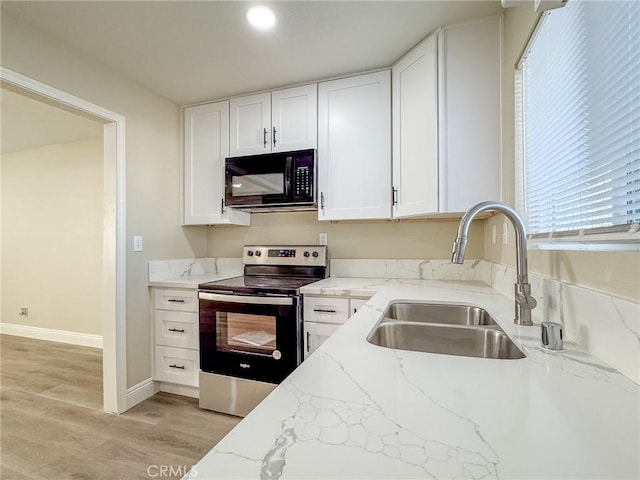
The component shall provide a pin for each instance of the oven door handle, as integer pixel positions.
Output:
(216, 297)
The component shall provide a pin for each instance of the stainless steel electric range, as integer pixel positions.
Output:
(251, 326)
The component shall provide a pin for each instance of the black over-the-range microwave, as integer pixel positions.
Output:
(276, 180)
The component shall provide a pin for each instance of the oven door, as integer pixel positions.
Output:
(254, 337)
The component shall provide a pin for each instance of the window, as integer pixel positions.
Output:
(579, 122)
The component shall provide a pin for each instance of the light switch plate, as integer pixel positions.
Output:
(323, 238)
(505, 234)
(137, 243)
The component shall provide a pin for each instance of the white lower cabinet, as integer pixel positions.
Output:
(177, 365)
(176, 339)
(316, 334)
(323, 315)
(355, 304)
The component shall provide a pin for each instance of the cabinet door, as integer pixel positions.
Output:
(354, 147)
(415, 131)
(294, 118)
(315, 334)
(250, 125)
(470, 120)
(206, 144)
(356, 304)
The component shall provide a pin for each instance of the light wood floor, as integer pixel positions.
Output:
(52, 425)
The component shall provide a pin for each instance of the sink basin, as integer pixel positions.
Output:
(439, 313)
(445, 329)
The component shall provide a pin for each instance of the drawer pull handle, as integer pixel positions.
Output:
(176, 300)
(181, 367)
(181, 330)
(308, 342)
(323, 310)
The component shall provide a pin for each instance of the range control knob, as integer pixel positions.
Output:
(258, 253)
(249, 253)
(315, 254)
(306, 254)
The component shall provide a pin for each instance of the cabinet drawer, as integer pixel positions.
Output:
(177, 365)
(175, 299)
(326, 309)
(176, 329)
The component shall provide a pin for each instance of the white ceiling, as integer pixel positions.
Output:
(27, 123)
(190, 52)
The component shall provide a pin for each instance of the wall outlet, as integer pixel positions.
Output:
(505, 234)
(24, 311)
(323, 238)
(137, 243)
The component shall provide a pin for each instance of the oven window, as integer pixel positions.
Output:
(259, 184)
(245, 333)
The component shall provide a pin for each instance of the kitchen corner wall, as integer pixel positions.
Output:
(615, 273)
(432, 239)
(153, 160)
(52, 236)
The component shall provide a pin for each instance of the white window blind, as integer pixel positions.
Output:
(581, 120)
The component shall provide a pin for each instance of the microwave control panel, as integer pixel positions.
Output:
(302, 183)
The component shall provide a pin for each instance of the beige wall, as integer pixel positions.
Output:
(405, 239)
(153, 159)
(617, 273)
(52, 236)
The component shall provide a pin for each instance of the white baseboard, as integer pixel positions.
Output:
(141, 391)
(62, 336)
(184, 390)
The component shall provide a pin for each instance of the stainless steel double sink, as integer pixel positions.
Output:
(442, 328)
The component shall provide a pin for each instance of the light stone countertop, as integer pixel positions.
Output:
(352, 287)
(191, 281)
(356, 410)
(191, 272)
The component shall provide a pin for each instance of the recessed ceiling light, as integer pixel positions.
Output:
(261, 18)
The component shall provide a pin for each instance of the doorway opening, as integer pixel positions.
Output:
(84, 227)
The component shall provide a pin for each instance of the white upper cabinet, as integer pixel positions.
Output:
(471, 116)
(415, 130)
(354, 147)
(251, 125)
(206, 145)
(294, 118)
(447, 121)
(279, 121)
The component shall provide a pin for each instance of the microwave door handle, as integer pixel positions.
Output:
(288, 177)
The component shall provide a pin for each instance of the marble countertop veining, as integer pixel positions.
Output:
(190, 281)
(353, 287)
(191, 272)
(356, 410)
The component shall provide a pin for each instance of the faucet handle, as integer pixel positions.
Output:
(526, 300)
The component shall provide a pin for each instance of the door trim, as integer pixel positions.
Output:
(114, 364)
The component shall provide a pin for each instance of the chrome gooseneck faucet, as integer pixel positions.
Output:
(524, 301)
